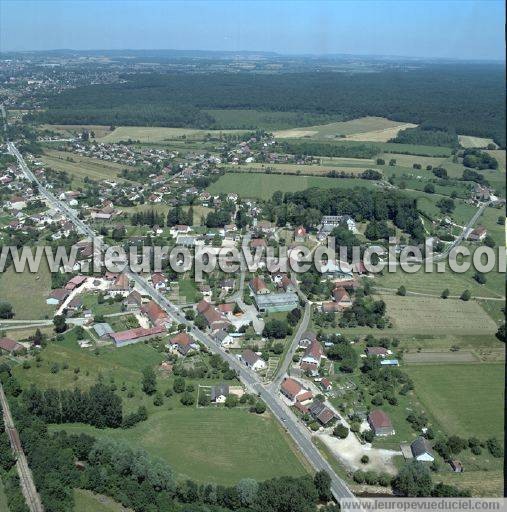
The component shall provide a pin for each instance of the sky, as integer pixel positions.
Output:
(464, 29)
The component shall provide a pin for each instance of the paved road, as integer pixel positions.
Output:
(284, 415)
(25, 475)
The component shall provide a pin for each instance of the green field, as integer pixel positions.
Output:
(216, 444)
(86, 501)
(263, 186)
(426, 315)
(81, 166)
(467, 399)
(211, 444)
(156, 134)
(27, 292)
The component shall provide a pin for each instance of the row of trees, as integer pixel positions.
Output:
(99, 406)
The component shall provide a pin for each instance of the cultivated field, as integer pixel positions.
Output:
(467, 399)
(427, 315)
(70, 130)
(376, 129)
(160, 134)
(263, 186)
(468, 141)
(81, 166)
(317, 170)
(427, 357)
(27, 292)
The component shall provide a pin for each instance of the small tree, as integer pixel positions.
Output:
(402, 291)
(158, 400)
(149, 381)
(59, 323)
(365, 459)
(466, 295)
(322, 482)
(341, 431)
(480, 278)
(445, 293)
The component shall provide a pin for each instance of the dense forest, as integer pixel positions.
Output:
(427, 135)
(465, 98)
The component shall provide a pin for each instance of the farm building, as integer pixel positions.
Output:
(103, 330)
(380, 423)
(136, 335)
(321, 412)
(10, 346)
(290, 388)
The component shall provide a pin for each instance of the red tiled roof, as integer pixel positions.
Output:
(257, 284)
(154, 312)
(379, 419)
(340, 294)
(10, 345)
(158, 278)
(182, 339)
(303, 397)
(139, 332)
(291, 386)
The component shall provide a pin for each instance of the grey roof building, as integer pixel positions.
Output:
(103, 330)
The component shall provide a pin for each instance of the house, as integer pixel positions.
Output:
(75, 282)
(159, 281)
(136, 335)
(376, 351)
(253, 360)
(306, 339)
(214, 319)
(120, 286)
(183, 343)
(223, 338)
(57, 296)
(103, 330)
(226, 308)
(290, 388)
(273, 302)
(380, 423)
(156, 315)
(219, 394)
(300, 234)
(287, 284)
(456, 466)
(313, 355)
(258, 286)
(258, 243)
(304, 396)
(330, 307)
(227, 285)
(133, 300)
(342, 297)
(334, 221)
(321, 412)
(421, 450)
(326, 385)
(478, 234)
(75, 304)
(10, 346)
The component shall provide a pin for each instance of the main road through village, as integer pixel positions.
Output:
(300, 434)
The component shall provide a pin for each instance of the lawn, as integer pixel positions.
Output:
(263, 186)
(81, 166)
(85, 501)
(27, 292)
(90, 301)
(467, 399)
(188, 289)
(426, 315)
(211, 444)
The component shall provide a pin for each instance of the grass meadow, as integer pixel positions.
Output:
(467, 399)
